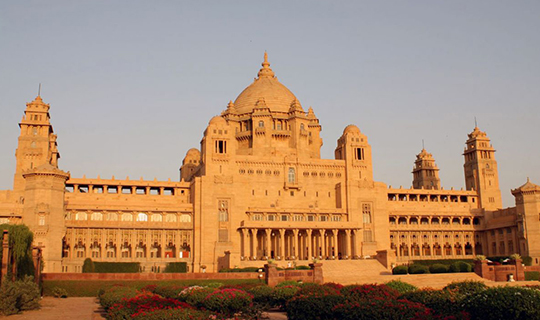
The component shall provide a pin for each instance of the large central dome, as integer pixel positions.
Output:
(276, 96)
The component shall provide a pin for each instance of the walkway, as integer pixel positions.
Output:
(55, 309)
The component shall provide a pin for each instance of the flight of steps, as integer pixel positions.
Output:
(371, 271)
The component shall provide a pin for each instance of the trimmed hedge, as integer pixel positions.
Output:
(400, 270)
(248, 269)
(460, 266)
(532, 275)
(418, 269)
(438, 268)
(446, 262)
(110, 267)
(176, 267)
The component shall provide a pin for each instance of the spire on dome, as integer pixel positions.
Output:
(265, 71)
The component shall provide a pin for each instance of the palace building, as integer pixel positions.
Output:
(257, 189)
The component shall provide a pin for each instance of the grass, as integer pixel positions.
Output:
(77, 288)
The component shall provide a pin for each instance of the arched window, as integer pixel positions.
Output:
(111, 216)
(302, 126)
(157, 217)
(81, 216)
(261, 124)
(292, 175)
(142, 217)
(185, 218)
(96, 216)
(171, 217)
(127, 217)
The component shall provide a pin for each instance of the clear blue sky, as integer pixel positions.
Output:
(132, 84)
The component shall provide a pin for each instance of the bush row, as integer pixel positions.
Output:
(416, 268)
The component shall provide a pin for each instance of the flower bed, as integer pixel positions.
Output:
(397, 300)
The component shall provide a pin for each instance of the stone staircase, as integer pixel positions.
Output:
(371, 271)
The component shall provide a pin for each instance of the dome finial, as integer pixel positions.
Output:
(265, 70)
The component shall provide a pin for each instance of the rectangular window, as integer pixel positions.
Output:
(368, 236)
(323, 218)
(366, 212)
(284, 217)
(111, 189)
(221, 146)
(336, 218)
(271, 217)
(311, 218)
(256, 217)
(298, 217)
(223, 210)
(359, 154)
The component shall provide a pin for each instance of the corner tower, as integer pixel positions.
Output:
(425, 172)
(481, 172)
(37, 142)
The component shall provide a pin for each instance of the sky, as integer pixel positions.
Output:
(132, 84)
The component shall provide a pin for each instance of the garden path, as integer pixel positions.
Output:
(57, 309)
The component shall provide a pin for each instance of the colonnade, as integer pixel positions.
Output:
(300, 244)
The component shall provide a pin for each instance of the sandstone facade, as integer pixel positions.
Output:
(257, 189)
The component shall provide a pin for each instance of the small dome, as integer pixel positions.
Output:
(276, 96)
(217, 120)
(351, 129)
(193, 152)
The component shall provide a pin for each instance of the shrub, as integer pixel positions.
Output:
(317, 289)
(262, 294)
(443, 302)
(381, 309)
(228, 301)
(175, 267)
(460, 266)
(288, 283)
(141, 303)
(313, 306)
(20, 295)
(355, 293)
(527, 261)
(446, 262)
(59, 292)
(418, 269)
(303, 268)
(438, 268)
(167, 314)
(466, 287)
(115, 294)
(168, 291)
(88, 266)
(401, 286)
(195, 295)
(532, 275)
(282, 294)
(504, 303)
(400, 270)
(335, 286)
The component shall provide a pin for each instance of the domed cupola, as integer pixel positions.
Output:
(267, 87)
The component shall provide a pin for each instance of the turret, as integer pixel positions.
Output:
(425, 172)
(527, 209)
(37, 142)
(481, 172)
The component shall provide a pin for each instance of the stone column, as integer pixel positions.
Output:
(282, 243)
(348, 243)
(253, 251)
(268, 245)
(244, 242)
(295, 250)
(335, 240)
(309, 244)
